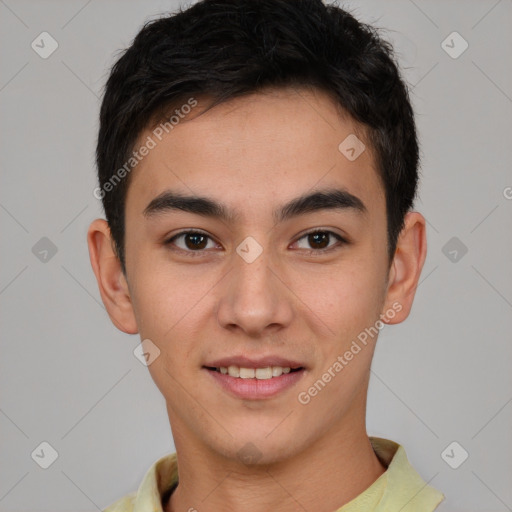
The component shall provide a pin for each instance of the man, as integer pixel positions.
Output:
(257, 164)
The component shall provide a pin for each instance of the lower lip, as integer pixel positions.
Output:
(255, 389)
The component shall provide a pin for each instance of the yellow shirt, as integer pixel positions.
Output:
(399, 488)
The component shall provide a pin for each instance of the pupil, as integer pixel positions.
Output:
(196, 241)
(315, 238)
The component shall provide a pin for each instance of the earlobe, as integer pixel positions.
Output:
(111, 281)
(405, 269)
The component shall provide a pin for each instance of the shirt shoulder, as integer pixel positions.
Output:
(156, 485)
(406, 490)
(400, 487)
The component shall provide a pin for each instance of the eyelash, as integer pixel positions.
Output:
(313, 252)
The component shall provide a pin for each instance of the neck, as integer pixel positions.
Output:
(341, 463)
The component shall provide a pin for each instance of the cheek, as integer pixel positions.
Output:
(170, 310)
(164, 309)
(161, 297)
(347, 299)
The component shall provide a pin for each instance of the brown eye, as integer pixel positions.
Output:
(190, 241)
(321, 241)
(318, 240)
(195, 241)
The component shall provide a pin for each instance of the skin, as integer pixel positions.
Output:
(253, 154)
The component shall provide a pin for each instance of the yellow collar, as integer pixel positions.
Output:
(400, 487)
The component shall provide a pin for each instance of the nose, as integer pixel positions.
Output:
(254, 299)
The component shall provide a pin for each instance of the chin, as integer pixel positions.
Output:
(259, 447)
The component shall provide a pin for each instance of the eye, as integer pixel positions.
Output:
(320, 241)
(191, 242)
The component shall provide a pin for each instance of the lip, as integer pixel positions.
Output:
(260, 362)
(255, 389)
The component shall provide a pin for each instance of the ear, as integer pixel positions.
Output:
(111, 280)
(405, 269)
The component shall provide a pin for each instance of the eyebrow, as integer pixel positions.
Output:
(328, 199)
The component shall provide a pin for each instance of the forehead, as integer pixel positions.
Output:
(256, 150)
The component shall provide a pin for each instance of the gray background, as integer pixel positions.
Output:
(69, 378)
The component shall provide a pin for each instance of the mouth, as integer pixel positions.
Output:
(255, 379)
(262, 373)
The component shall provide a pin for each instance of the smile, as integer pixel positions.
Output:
(265, 373)
(251, 380)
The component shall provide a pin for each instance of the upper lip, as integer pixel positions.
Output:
(259, 362)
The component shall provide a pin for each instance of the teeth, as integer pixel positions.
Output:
(264, 373)
(247, 373)
(234, 371)
(250, 373)
(276, 371)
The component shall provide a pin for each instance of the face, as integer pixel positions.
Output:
(255, 312)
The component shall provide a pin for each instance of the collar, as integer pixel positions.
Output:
(400, 487)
